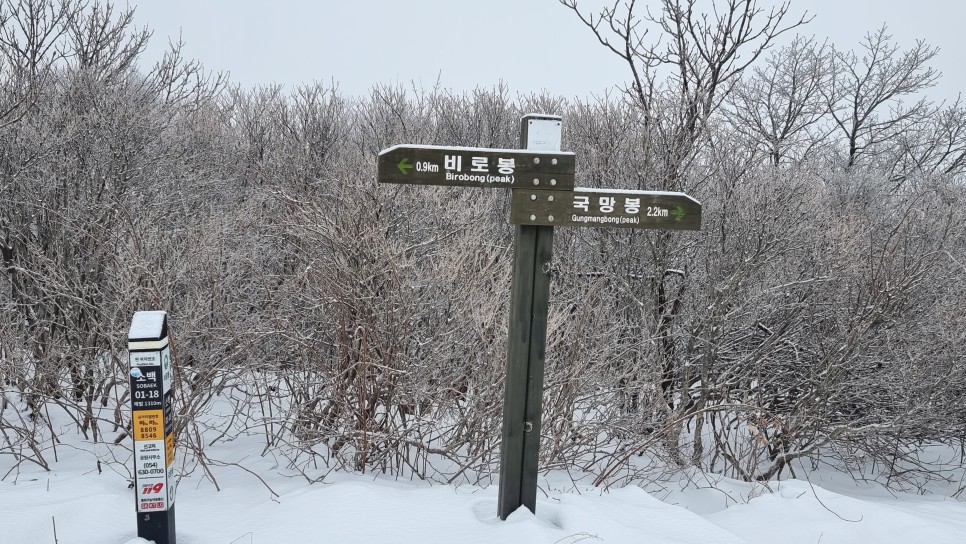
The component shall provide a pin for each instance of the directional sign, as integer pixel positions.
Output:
(606, 208)
(476, 167)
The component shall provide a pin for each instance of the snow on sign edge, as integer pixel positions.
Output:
(457, 149)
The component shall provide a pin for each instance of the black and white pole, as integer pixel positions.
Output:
(527, 337)
(152, 426)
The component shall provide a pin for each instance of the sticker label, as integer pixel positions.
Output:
(148, 425)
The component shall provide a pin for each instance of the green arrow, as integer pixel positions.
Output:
(404, 165)
(679, 213)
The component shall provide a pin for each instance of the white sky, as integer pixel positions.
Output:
(531, 45)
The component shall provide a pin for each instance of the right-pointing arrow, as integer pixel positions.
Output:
(679, 213)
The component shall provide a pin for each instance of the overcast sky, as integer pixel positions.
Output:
(531, 45)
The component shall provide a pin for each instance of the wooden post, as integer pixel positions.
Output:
(526, 342)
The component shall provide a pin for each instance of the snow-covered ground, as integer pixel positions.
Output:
(88, 507)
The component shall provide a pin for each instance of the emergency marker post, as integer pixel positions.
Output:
(543, 196)
(152, 426)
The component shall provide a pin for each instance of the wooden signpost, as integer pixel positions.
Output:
(542, 180)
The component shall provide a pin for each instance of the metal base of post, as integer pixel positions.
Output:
(157, 526)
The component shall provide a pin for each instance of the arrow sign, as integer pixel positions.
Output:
(476, 167)
(404, 166)
(679, 212)
(606, 208)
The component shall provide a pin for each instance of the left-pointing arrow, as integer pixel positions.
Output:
(404, 166)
